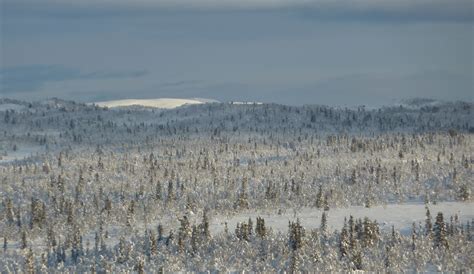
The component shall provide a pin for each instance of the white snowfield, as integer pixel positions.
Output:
(246, 103)
(10, 106)
(164, 103)
(401, 216)
(20, 154)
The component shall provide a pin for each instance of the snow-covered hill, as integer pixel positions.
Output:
(165, 103)
(235, 186)
(9, 104)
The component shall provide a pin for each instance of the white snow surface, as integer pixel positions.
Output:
(401, 216)
(246, 103)
(10, 106)
(164, 103)
(22, 153)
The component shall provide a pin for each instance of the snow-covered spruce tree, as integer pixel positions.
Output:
(29, 266)
(296, 235)
(319, 198)
(242, 199)
(464, 192)
(440, 233)
(24, 240)
(204, 226)
(428, 223)
(344, 241)
(260, 229)
(294, 264)
(324, 228)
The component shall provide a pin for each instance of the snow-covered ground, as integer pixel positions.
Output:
(165, 103)
(10, 106)
(21, 153)
(401, 216)
(246, 103)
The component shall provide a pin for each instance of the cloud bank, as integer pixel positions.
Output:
(295, 52)
(31, 78)
(323, 9)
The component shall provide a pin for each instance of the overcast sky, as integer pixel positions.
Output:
(338, 52)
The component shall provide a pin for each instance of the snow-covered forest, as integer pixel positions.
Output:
(236, 187)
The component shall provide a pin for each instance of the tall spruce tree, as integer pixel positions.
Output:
(440, 233)
(428, 223)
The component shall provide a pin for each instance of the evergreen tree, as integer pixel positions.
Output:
(170, 238)
(140, 266)
(171, 194)
(181, 239)
(194, 240)
(260, 229)
(428, 224)
(122, 251)
(464, 193)
(296, 235)
(153, 243)
(185, 228)
(356, 259)
(18, 216)
(440, 233)
(388, 257)
(250, 227)
(294, 262)
(395, 239)
(205, 226)
(344, 241)
(324, 227)
(242, 198)
(146, 244)
(325, 202)
(352, 236)
(370, 232)
(160, 232)
(29, 262)
(9, 212)
(24, 243)
(319, 197)
(157, 190)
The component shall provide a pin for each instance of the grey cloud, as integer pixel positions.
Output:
(33, 77)
(179, 83)
(451, 10)
(346, 89)
(109, 75)
(398, 11)
(350, 89)
(378, 89)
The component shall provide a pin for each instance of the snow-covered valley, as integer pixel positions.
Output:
(184, 186)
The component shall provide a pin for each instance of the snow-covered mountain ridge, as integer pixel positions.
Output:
(163, 103)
